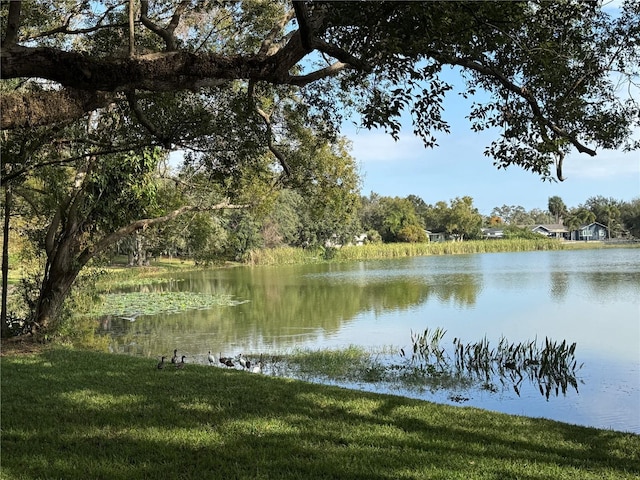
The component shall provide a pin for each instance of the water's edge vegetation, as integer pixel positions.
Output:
(291, 255)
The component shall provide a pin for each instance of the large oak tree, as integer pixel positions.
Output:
(227, 81)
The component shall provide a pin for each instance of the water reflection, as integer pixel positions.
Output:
(590, 297)
(281, 311)
(559, 282)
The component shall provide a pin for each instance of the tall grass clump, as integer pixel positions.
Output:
(374, 251)
(284, 256)
(352, 363)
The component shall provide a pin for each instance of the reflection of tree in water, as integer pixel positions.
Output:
(280, 301)
(277, 303)
(462, 288)
(608, 285)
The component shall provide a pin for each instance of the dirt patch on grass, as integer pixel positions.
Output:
(22, 345)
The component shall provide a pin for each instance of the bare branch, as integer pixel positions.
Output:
(175, 19)
(267, 121)
(267, 47)
(167, 34)
(132, 31)
(559, 160)
(65, 28)
(333, 69)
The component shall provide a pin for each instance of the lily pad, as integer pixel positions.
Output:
(154, 303)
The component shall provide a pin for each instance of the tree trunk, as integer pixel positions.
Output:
(4, 326)
(140, 251)
(67, 256)
(60, 272)
(54, 291)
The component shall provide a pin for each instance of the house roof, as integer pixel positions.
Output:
(593, 223)
(552, 227)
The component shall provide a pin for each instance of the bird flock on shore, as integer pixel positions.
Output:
(245, 363)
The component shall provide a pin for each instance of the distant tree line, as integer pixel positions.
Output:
(296, 221)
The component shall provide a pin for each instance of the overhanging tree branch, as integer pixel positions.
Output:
(523, 92)
(99, 246)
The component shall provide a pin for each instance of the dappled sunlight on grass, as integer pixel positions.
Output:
(85, 420)
(92, 400)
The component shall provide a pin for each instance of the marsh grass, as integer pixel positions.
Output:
(284, 256)
(397, 250)
(290, 255)
(76, 414)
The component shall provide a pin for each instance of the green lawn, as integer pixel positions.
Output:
(77, 414)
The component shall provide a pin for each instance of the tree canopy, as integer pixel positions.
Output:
(551, 71)
(95, 94)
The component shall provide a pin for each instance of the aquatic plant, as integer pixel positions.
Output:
(550, 366)
(134, 304)
(291, 255)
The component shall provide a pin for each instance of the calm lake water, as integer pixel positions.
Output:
(591, 297)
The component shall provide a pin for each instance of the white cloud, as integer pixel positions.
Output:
(607, 164)
(376, 146)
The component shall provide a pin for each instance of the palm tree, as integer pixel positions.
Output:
(557, 208)
(612, 213)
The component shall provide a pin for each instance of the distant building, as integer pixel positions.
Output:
(553, 230)
(593, 231)
(436, 236)
(492, 233)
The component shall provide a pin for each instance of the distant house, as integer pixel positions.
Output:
(593, 231)
(360, 239)
(554, 230)
(436, 236)
(492, 233)
(334, 242)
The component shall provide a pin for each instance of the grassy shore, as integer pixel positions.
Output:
(291, 255)
(78, 414)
